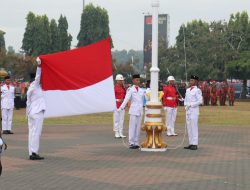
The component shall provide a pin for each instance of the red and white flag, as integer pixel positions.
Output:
(78, 81)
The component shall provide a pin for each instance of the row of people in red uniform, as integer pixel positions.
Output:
(213, 93)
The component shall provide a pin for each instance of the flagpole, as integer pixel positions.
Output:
(153, 121)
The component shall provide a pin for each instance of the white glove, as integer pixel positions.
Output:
(120, 109)
(1, 142)
(38, 60)
(187, 107)
(181, 99)
(165, 108)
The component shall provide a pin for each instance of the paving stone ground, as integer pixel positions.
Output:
(87, 157)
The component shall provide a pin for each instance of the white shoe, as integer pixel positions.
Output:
(169, 134)
(117, 135)
(122, 136)
(174, 134)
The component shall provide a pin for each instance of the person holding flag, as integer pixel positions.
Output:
(136, 95)
(35, 111)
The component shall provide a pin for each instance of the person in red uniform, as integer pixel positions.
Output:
(231, 95)
(205, 93)
(170, 101)
(223, 94)
(213, 94)
(119, 115)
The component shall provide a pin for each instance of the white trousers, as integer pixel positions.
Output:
(171, 114)
(35, 123)
(118, 121)
(192, 128)
(7, 115)
(134, 129)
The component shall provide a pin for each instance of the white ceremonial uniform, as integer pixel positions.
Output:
(35, 111)
(7, 106)
(192, 101)
(118, 121)
(135, 112)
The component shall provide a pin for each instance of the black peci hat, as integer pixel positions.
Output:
(194, 77)
(136, 76)
(7, 77)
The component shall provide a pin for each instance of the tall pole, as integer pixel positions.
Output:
(153, 121)
(184, 47)
(154, 70)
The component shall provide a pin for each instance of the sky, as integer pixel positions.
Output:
(126, 17)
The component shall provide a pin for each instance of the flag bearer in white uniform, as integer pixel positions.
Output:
(7, 105)
(35, 112)
(192, 101)
(136, 95)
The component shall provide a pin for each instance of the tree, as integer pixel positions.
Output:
(237, 33)
(240, 69)
(54, 36)
(29, 37)
(64, 38)
(42, 43)
(42, 36)
(94, 25)
(2, 42)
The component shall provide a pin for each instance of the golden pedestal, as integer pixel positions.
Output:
(154, 128)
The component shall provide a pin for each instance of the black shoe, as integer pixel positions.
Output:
(188, 147)
(131, 146)
(10, 132)
(136, 147)
(194, 147)
(35, 156)
(5, 132)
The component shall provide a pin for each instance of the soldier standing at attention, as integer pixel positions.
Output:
(231, 94)
(35, 111)
(119, 115)
(213, 94)
(205, 93)
(7, 105)
(192, 101)
(136, 95)
(223, 94)
(170, 101)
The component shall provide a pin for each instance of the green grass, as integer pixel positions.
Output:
(238, 115)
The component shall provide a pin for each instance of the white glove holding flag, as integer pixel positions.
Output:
(38, 60)
(181, 99)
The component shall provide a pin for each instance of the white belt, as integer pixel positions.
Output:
(170, 98)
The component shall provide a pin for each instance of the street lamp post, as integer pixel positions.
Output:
(153, 121)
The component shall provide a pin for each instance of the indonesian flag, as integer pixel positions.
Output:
(78, 81)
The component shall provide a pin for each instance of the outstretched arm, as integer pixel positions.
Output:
(38, 72)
